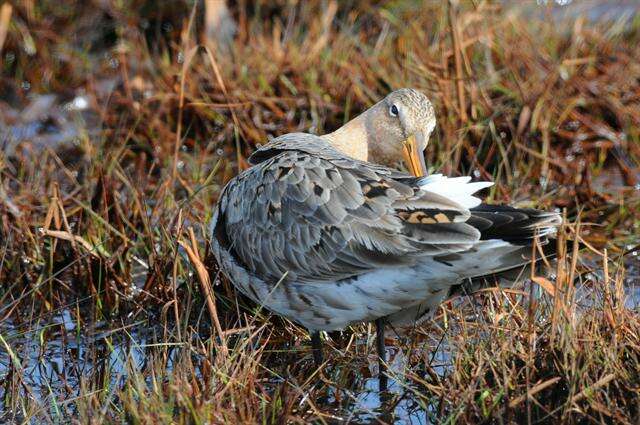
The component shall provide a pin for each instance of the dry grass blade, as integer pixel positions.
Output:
(191, 53)
(191, 248)
(457, 56)
(65, 235)
(5, 17)
(533, 391)
(545, 284)
(327, 19)
(237, 127)
(589, 390)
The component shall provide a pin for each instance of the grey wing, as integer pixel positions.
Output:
(306, 218)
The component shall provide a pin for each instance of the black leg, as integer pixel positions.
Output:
(316, 346)
(382, 361)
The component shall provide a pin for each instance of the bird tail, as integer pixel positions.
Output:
(521, 265)
(506, 248)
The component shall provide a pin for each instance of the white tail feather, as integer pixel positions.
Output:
(458, 189)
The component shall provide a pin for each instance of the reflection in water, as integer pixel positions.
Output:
(56, 358)
(60, 362)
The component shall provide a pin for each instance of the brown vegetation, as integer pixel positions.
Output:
(106, 226)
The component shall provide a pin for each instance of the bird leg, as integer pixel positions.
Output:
(316, 346)
(382, 361)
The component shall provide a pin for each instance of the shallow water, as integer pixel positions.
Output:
(55, 356)
(58, 358)
(60, 361)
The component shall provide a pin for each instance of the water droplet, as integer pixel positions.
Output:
(543, 182)
(476, 173)
(80, 103)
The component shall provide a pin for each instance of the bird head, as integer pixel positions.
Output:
(396, 128)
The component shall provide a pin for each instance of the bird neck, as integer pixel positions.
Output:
(352, 139)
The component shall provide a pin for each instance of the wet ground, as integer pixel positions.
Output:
(58, 357)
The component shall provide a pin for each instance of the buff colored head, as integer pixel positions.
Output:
(394, 129)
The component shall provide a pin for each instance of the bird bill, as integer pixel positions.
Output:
(413, 157)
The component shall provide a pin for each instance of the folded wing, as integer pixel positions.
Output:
(307, 213)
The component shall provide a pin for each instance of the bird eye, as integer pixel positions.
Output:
(393, 110)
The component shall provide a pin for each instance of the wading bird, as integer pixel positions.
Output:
(325, 231)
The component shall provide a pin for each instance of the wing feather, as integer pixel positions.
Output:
(307, 211)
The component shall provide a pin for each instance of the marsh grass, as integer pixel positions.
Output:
(104, 261)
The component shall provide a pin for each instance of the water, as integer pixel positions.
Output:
(404, 401)
(56, 357)
(60, 361)
(46, 122)
(617, 14)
